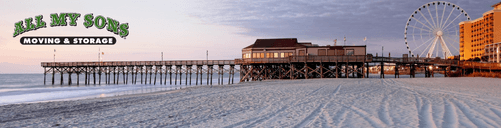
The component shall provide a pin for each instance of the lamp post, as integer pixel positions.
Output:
(365, 41)
(344, 40)
(382, 51)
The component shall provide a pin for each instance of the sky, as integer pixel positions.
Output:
(186, 29)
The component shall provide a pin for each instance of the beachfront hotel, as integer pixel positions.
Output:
(476, 34)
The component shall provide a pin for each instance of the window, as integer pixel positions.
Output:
(259, 55)
(275, 55)
(282, 55)
(268, 55)
(288, 54)
(349, 52)
(302, 53)
(254, 55)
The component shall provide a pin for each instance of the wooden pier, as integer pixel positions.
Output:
(303, 67)
(252, 69)
(431, 65)
(111, 70)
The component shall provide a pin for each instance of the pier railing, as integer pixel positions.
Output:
(137, 63)
(357, 58)
(478, 65)
(415, 60)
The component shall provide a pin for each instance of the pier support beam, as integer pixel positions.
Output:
(151, 72)
(78, 78)
(382, 70)
(156, 70)
(176, 72)
(397, 74)
(186, 76)
(141, 70)
(127, 75)
(100, 75)
(180, 70)
(188, 69)
(135, 74)
(161, 69)
(44, 74)
(61, 72)
(201, 74)
(337, 70)
(53, 73)
(209, 73)
(220, 74)
(114, 75)
(345, 70)
(231, 74)
(123, 75)
(167, 69)
(146, 75)
(367, 70)
(118, 75)
(354, 69)
(69, 78)
(86, 70)
(197, 72)
(170, 75)
(94, 76)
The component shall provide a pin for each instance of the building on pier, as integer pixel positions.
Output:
(286, 58)
(285, 47)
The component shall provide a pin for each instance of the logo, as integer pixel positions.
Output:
(65, 19)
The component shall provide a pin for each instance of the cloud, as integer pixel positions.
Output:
(326, 19)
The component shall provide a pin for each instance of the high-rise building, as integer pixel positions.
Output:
(475, 34)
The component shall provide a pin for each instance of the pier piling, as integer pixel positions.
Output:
(44, 74)
(61, 72)
(78, 78)
(156, 70)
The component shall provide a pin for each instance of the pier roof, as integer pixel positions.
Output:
(280, 42)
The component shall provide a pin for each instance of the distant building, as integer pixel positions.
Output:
(476, 34)
(285, 47)
(492, 52)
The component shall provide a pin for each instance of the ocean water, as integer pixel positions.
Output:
(27, 88)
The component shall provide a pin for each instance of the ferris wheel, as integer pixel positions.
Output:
(432, 30)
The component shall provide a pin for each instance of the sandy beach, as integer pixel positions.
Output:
(419, 102)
